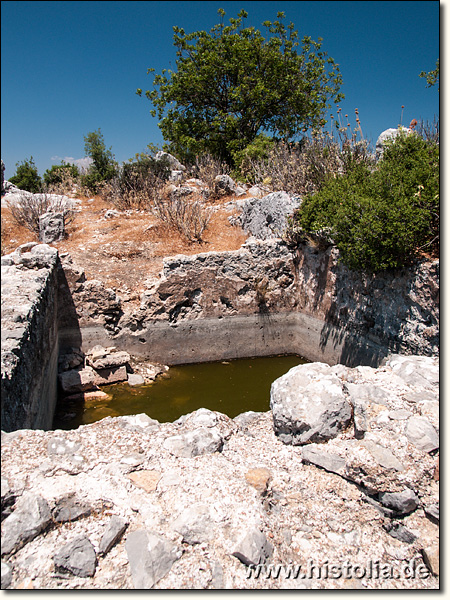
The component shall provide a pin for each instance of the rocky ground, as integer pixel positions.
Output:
(339, 482)
(130, 503)
(121, 248)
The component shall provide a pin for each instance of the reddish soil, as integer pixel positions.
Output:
(124, 250)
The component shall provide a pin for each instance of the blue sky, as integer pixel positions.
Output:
(69, 68)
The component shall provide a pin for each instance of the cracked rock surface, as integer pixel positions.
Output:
(161, 514)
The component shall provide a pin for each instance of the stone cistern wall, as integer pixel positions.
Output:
(130, 503)
(265, 298)
(29, 337)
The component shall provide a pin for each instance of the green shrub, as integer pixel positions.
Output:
(257, 150)
(103, 167)
(134, 174)
(382, 218)
(58, 174)
(27, 177)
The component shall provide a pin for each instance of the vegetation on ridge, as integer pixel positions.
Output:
(236, 104)
(233, 84)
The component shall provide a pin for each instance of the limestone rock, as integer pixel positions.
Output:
(308, 405)
(69, 509)
(134, 379)
(110, 375)
(432, 511)
(388, 135)
(258, 191)
(400, 532)
(77, 380)
(109, 360)
(194, 443)
(313, 454)
(400, 502)
(114, 531)
(224, 185)
(431, 558)
(194, 524)
(266, 217)
(365, 399)
(203, 417)
(253, 548)
(176, 176)
(62, 446)
(30, 517)
(147, 480)
(420, 371)
(150, 556)
(8, 498)
(173, 162)
(422, 434)
(51, 227)
(78, 557)
(384, 457)
(70, 359)
(6, 575)
(258, 478)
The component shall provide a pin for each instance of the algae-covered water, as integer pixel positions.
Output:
(230, 387)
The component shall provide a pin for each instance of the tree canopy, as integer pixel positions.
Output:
(233, 83)
(27, 176)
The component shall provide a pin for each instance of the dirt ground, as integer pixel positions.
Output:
(123, 251)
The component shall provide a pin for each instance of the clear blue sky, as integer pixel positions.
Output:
(69, 68)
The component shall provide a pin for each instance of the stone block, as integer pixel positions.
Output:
(75, 380)
(114, 531)
(51, 227)
(109, 361)
(194, 443)
(108, 376)
(308, 405)
(30, 517)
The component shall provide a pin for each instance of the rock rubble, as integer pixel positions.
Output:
(131, 503)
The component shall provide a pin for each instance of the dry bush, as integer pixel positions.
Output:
(137, 191)
(207, 168)
(429, 131)
(188, 216)
(68, 186)
(27, 210)
(302, 168)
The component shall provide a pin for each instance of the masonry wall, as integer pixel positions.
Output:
(29, 337)
(260, 300)
(267, 298)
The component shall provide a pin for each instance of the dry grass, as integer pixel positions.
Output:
(123, 251)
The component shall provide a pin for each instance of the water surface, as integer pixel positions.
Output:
(230, 387)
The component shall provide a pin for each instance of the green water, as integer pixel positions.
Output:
(230, 387)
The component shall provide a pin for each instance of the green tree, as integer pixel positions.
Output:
(104, 166)
(27, 177)
(432, 77)
(233, 83)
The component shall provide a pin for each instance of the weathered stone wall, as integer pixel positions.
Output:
(397, 310)
(262, 299)
(29, 337)
(267, 298)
